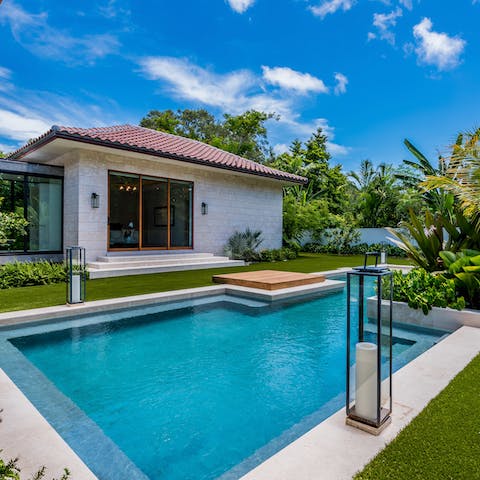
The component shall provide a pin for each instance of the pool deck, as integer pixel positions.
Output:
(331, 450)
(27, 435)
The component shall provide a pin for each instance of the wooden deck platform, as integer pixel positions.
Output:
(269, 279)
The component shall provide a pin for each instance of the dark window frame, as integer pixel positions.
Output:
(26, 239)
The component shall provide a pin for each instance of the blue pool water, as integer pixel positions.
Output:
(191, 393)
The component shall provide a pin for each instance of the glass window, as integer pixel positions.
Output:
(44, 214)
(12, 200)
(39, 200)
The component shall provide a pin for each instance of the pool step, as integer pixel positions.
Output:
(116, 266)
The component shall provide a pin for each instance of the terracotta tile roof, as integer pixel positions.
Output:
(144, 140)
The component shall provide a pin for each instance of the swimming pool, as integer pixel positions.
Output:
(206, 389)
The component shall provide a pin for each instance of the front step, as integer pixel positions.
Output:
(152, 257)
(151, 262)
(157, 264)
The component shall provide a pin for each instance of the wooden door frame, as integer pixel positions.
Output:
(140, 214)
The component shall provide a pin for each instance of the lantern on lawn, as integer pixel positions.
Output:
(369, 346)
(76, 275)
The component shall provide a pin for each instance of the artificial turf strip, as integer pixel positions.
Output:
(442, 442)
(101, 289)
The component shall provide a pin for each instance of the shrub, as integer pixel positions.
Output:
(341, 238)
(23, 274)
(277, 255)
(421, 289)
(358, 249)
(244, 245)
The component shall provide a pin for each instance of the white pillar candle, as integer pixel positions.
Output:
(383, 257)
(366, 381)
(75, 288)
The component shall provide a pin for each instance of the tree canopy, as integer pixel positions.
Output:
(244, 134)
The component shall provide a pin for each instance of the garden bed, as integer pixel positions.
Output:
(439, 318)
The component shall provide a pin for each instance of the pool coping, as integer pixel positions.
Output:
(37, 315)
(336, 451)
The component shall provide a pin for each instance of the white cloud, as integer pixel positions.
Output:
(305, 130)
(328, 7)
(289, 79)
(280, 148)
(384, 22)
(19, 127)
(437, 49)
(5, 73)
(26, 114)
(34, 33)
(233, 92)
(342, 82)
(240, 6)
(113, 9)
(407, 4)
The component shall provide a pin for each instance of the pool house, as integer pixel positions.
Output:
(127, 191)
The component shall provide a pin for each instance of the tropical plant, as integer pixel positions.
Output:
(424, 290)
(437, 200)
(462, 176)
(427, 243)
(10, 471)
(464, 268)
(244, 245)
(301, 214)
(377, 195)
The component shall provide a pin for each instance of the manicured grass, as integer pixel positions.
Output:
(441, 443)
(48, 295)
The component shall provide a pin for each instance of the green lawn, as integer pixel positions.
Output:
(442, 443)
(48, 295)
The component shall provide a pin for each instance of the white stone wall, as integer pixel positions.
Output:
(234, 201)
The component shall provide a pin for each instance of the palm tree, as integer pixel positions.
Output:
(462, 176)
(362, 180)
(437, 199)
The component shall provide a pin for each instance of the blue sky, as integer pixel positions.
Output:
(371, 72)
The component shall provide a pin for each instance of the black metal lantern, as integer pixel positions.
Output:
(95, 200)
(369, 347)
(76, 275)
(204, 208)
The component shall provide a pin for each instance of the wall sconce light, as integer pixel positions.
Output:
(95, 200)
(204, 208)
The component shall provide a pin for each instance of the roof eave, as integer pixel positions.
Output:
(54, 133)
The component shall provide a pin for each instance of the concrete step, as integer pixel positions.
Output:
(151, 257)
(158, 261)
(124, 270)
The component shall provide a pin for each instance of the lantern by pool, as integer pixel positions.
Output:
(76, 275)
(369, 347)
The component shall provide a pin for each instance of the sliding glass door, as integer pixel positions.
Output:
(155, 212)
(149, 212)
(124, 210)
